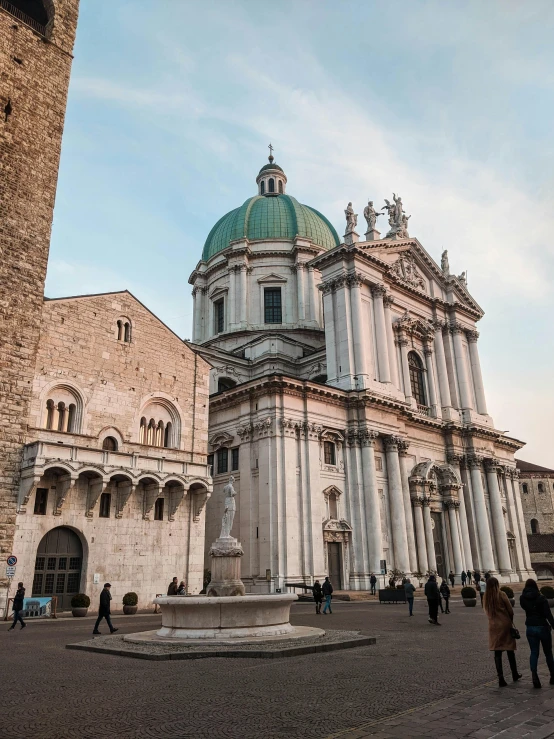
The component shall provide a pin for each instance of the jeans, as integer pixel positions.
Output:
(327, 604)
(372, 590)
(17, 617)
(537, 635)
(447, 604)
(433, 609)
(108, 621)
(410, 604)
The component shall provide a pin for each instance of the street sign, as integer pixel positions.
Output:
(10, 571)
(12, 560)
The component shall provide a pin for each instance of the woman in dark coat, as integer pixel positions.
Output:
(500, 614)
(17, 606)
(318, 596)
(538, 620)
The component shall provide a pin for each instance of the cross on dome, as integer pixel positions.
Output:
(270, 147)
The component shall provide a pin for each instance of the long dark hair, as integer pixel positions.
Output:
(531, 584)
(492, 601)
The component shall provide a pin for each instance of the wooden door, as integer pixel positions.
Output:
(335, 564)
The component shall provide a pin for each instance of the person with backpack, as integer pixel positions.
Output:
(17, 606)
(409, 590)
(444, 590)
(372, 583)
(318, 596)
(433, 599)
(539, 623)
(327, 591)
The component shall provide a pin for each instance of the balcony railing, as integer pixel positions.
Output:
(23, 17)
(423, 410)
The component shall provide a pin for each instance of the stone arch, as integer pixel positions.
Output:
(61, 565)
(429, 471)
(157, 407)
(111, 431)
(68, 394)
(200, 493)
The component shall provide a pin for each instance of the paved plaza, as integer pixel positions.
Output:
(417, 680)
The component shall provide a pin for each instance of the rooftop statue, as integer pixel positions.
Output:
(351, 218)
(444, 263)
(230, 509)
(398, 220)
(371, 215)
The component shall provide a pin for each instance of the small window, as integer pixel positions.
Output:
(41, 501)
(541, 487)
(525, 488)
(49, 413)
(262, 188)
(235, 458)
(120, 330)
(159, 509)
(281, 187)
(72, 410)
(225, 383)
(378, 464)
(222, 460)
(271, 184)
(333, 507)
(127, 332)
(535, 526)
(219, 316)
(105, 505)
(168, 441)
(329, 452)
(272, 305)
(109, 444)
(416, 378)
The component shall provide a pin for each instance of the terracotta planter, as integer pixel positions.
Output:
(130, 610)
(470, 602)
(79, 612)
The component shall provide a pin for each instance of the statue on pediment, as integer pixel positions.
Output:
(398, 220)
(351, 218)
(371, 216)
(444, 263)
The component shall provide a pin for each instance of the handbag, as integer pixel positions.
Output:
(514, 633)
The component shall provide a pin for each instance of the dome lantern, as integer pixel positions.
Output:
(271, 179)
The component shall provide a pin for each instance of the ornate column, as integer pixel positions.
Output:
(244, 296)
(195, 312)
(457, 331)
(481, 517)
(356, 282)
(405, 474)
(299, 268)
(428, 352)
(388, 300)
(396, 499)
(356, 507)
(329, 322)
(472, 337)
(512, 513)
(373, 509)
(403, 343)
(452, 507)
(521, 520)
(454, 460)
(444, 388)
(312, 295)
(378, 292)
(497, 516)
(345, 354)
(423, 563)
(232, 298)
(428, 525)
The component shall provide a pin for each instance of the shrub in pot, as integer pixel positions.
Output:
(79, 605)
(548, 592)
(130, 601)
(510, 593)
(469, 596)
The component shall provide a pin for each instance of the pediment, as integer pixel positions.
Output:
(221, 439)
(273, 278)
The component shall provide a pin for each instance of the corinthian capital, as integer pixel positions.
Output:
(474, 461)
(403, 447)
(392, 442)
(457, 328)
(472, 335)
(492, 465)
(355, 280)
(378, 291)
(438, 324)
(388, 300)
(367, 437)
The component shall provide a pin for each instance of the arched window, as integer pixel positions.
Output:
(416, 378)
(62, 416)
(281, 186)
(127, 335)
(541, 487)
(333, 506)
(164, 427)
(120, 330)
(72, 411)
(535, 526)
(109, 444)
(151, 433)
(123, 330)
(525, 488)
(142, 432)
(167, 435)
(64, 410)
(262, 188)
(271, 184)
(160, 434)
(33, 8)
(49, 413)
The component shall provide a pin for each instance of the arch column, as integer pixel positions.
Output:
(428, 525)
(428, 352)
(388, 300)
(467, 557)
(356, 282)
(497, 515)
(519, 509)
(512, 513)
(403, 343)
(378, 292)
(452, 508)
(422, 560)
(396, 498)
(481, 518)
(373, 508)
(244, 296)
(404, 472)
(299, 268)
(442, 371)
(457, 331)
(312, 295)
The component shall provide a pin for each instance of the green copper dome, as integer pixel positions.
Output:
(276, 217)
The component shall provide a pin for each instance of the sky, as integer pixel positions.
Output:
(172, 104)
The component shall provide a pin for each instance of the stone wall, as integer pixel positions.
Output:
(34, 78)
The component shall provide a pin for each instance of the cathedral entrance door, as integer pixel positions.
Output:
(335, 564)
(58, 566)
(437, 541)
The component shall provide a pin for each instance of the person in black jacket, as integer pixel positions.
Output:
(17, 606)
(318, 596)
(327, 591)
(538, 620)
(372, 583)
(433, 597)
(104, 609)
(445, 593)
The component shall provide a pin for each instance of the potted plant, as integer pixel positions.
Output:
(469, 596)
(548, 592)
(130, 601)
(419, 576)
(79, 605)
(510, 593)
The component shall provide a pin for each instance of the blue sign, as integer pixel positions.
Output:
(12, 560)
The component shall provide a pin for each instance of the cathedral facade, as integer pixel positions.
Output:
(347, 401)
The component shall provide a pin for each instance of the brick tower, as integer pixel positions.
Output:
(36, 44)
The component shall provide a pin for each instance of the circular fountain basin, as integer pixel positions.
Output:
(231, 617)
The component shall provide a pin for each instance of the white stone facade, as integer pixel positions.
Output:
(356, 427)
(115, 456)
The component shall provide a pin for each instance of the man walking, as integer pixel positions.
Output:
(433, 597)
(173, 587)
(104, 609)
(409, 590)
(318, 596)
(469, 577)
(451, 578)
(464, 578)
(327, 590)
(17, 606)
(373, 583)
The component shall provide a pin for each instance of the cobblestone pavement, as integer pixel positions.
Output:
(55, 693)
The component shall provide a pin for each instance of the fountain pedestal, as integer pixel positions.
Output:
(226, 553)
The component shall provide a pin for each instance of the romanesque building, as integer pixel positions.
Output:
(36, 43)
(537, 496)
(114, 477)
(347, 400)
